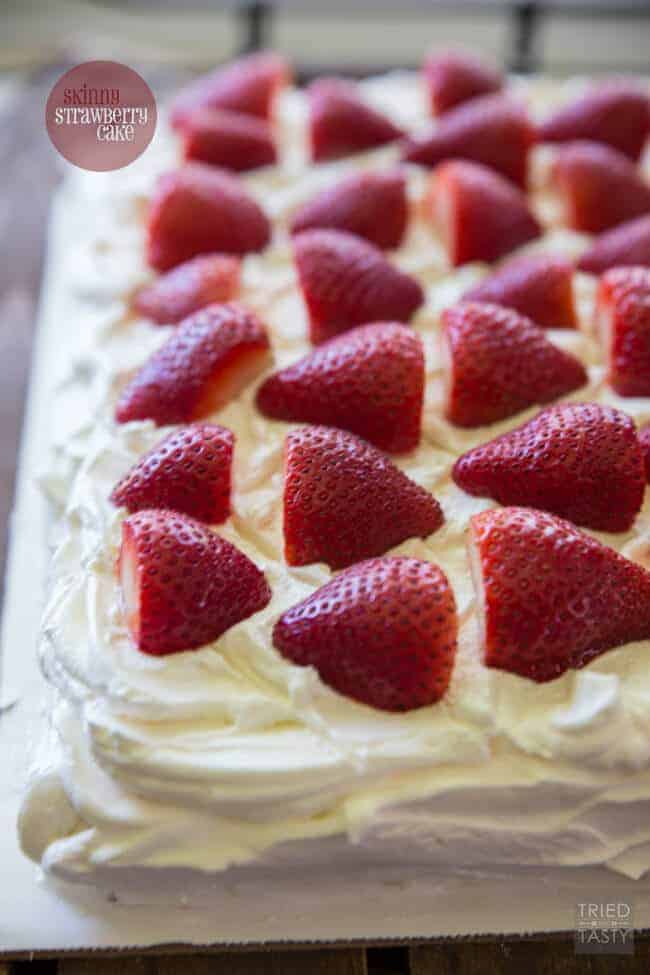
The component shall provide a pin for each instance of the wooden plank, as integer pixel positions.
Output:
(344, 961)
(115, 965)
(531, 957)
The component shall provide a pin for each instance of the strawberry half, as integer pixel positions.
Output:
(248, 85)
(579, 460)
(345, 501)
(500, 363)
(479, 214)
(369, 380)
(341, 123)
(199, 209)
(188, 287)
(453, 77)
(382, 632)
(599, 186)
(205, 363)
(182, 585)
(538, 286)
(370, 205)
(493, 130)
(644, 440)
(346, 281)
(625, 246)
(188, 471)
(616, 113)
(623, 320)
(228, 139)
(551, 597)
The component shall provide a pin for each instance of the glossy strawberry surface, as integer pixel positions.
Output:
(200, 209)
(208, 359)
(345, 501)
(383, 632)
(500, 363)
(539, 286)
(579, 460)
(189, 471)
(371, 205)
(182, 585)
(346, 281)
(552, 598)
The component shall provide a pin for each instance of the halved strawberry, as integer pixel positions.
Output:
(383, 633)
(228, 139)
(538, 286)
(623, 320)
(479, 214)
(344, 500)
(644, 440)
(201, 281)
(493, 130)
(625, 246)
(346, 281)
(500, 363)
(453, 77)
(616, 113)
(372, 205)
(579, 460)
(188, 471)
(341, 123)
(199, 209)
(599, 186)
(552, 598)
(369, 380)
(182, 585)
(206, 362)
(248, 85)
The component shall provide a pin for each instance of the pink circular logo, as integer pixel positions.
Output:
(101, 115)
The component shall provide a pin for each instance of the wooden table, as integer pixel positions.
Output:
(29, 168)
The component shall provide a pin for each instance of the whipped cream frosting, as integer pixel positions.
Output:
(230, 755)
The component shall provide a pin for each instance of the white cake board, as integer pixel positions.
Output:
(39, 915)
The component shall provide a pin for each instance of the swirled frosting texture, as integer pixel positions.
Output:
(231, 755)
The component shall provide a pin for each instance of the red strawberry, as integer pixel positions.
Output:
(579, 460)
(187, 287)
(369, 380)
(228, 139)
(480, 215)
(616, 113)
(199, 209)
(552, 597)
(182, 585)
(344, 500)
(625, 246)
(370, 205)
(248, 85)
(206, 362)
(538, 286)
(501, 363)
(188, 471)
(600, 187)
(383, 633)
(453, 77)
(493, 130)
(341, 123)
(644, 440)
(346, 281)
(623, 318)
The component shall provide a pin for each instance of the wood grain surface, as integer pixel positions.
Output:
(30, 172)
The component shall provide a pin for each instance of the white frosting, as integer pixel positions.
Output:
(223, 755)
